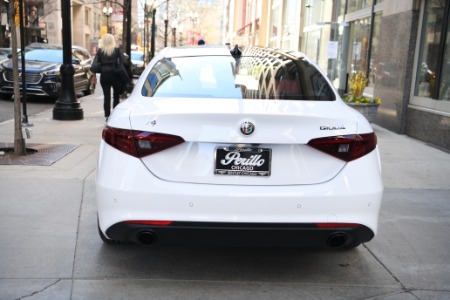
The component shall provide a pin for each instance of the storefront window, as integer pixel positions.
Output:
(374, 61)
(340, 4)
(444, 91)
(312, 44)
(290, 13)
(354, 5)
(359, 47)
(427, 84)
(275, 19)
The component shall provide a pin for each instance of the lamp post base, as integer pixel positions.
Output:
(67, 107)
(67, 114)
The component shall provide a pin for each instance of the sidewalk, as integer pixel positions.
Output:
(50, 248)
(406, 162)
(85, 134)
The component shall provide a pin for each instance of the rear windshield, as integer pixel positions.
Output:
(247, 77)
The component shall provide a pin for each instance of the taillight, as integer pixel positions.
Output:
(139, 143)
(346, 147)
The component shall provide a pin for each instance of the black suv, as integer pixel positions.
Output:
(42, 71)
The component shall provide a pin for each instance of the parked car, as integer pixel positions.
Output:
(250, 149)
(137, 63)
(32, 46)
(4, 52)
(43, 77)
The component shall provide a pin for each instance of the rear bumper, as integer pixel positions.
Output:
(240, 234)
(235, 215)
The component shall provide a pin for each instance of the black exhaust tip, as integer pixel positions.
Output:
(147, 238)
(337, 240)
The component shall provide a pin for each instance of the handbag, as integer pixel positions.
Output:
(119, 68)
(96, 66)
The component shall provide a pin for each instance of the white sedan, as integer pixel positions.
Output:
(254, 148)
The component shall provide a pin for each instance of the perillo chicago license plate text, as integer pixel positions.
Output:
(243, 161)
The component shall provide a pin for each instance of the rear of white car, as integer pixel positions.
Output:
(244, 158)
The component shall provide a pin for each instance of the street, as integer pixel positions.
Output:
(51, 249)
(34, 106)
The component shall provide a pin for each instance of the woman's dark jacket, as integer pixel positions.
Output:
(107, 62)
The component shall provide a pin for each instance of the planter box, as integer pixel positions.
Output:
(367, 110)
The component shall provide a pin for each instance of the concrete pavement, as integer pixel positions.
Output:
(50, 249)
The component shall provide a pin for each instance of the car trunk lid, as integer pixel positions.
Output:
(212, 128)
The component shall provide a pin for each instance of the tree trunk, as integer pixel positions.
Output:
(19, 141)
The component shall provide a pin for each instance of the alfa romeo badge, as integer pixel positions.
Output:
(247, 128)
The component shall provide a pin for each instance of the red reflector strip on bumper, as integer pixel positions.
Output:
(337, 225)
(141, 222)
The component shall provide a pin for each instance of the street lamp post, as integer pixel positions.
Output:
(174, 32)
(107, 12)
(155, 4)
(166, 25)
(128, 48)
(152, 46)
(67, 107)
(194, 19)
(150, 9)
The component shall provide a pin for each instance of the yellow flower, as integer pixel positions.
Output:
(357, 84)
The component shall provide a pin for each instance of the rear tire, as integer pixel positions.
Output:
(91, 87)
(5, 96)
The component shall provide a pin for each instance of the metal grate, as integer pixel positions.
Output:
(37, 154)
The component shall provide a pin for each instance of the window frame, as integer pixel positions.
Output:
(429, 104)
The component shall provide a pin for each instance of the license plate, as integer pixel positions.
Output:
(248, 161)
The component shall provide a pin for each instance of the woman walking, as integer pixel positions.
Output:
(108, 56)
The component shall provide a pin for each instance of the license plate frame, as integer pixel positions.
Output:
(243, 161)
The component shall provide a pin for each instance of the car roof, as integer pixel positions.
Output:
(211, 50)
(194, 51)
(33, 46)
(43, 46)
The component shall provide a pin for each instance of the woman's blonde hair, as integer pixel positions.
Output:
(108, 44)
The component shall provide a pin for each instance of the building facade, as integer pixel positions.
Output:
(90, 21)
(403, 47)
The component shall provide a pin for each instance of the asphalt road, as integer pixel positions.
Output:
(34, 106)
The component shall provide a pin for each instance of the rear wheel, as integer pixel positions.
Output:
(5, 96)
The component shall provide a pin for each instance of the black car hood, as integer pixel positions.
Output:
(32, 65)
